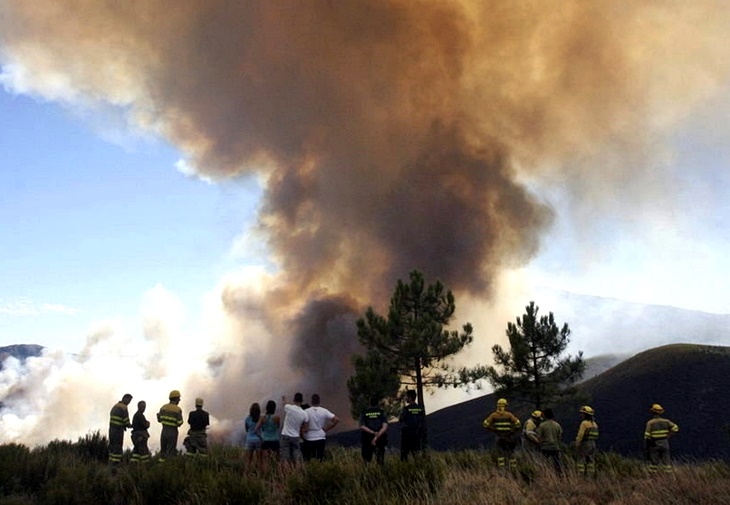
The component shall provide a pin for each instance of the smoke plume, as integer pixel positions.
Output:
(390, 136)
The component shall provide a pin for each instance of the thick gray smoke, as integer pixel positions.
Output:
(391, 135)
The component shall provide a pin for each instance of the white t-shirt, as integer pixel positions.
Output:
(293, 420)
(318, 419)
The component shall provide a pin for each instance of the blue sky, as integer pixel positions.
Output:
(91, 222)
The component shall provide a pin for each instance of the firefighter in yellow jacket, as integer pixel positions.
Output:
(585, 442)
(506, 426)
(118, 423)
(171, 418)
(656, 437)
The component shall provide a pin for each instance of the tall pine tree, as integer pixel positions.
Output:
(534, 368)
(409, 348)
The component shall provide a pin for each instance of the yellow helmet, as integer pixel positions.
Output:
(537, 414)
(585, 409)
(174, 394)
(501, 402)
(657, 409)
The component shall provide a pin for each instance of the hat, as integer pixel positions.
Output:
(501, 401)
(585, 409)
(657, 409)
(198, 402)
(537, 414)
(174, 394)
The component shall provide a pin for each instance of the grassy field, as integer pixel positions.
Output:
(77, 473)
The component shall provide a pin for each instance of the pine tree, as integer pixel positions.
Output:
(409, 348)
(534, 368)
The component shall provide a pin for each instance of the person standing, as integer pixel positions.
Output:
(268, 426)
(530, 442)
(373, 428)
(585, 442)
(320, 421)
(140, 435)
(505, 425)
(253, 435)
(295, 422)
(197, 439)
(550, 434)
(170, 416)
(118, 423)
(412, 420)
(657, 433)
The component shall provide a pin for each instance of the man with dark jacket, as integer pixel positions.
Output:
(412, 420)
(373, 427)
(196, 442)
(140, 435)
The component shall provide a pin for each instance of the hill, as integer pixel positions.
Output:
(690, 381)
(19, 351)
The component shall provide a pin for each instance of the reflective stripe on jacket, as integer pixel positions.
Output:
(119, 415)
(659, 428)
(170, 415)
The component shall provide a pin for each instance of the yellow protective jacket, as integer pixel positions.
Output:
(588, 430)
(170, 415)
(119, 416)
(502, 422)
(658, 428)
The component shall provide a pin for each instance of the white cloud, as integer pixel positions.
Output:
(24, 307)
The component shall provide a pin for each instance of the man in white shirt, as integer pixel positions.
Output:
(295, 422)
(320, 421)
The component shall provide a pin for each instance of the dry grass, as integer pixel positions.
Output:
(67, 473)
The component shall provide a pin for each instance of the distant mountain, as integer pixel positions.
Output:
(598, 364)
(19, 351)
(690, 381)
(602, 326)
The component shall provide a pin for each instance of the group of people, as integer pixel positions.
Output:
(170, 416)
(300, 436)
(302, 433)
(542, 434)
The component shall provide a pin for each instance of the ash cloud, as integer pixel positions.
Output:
(391, 135)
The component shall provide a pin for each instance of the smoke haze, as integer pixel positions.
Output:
(389, 136)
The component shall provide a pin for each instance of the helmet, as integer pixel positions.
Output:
(537, 414)
(657, 409)
(585, 409)
(174, 394)
(501, 402)
(198, 402)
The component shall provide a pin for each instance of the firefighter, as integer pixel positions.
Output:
(170, 416)
(656, 439)
(140, 435)
(196, 442)
(506, 426)
(118, 423)
(530, 442)
(585, 442)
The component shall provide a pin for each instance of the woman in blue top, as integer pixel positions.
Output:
(253, 436)
(269, 426)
